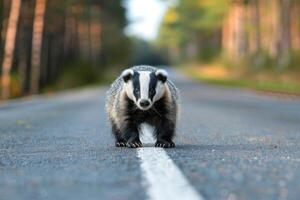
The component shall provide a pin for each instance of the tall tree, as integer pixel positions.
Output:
(10, 40)
(254, 18)
(1, 23)
(284, 40)
(295, 25)
(235, 38)
(50, 35)
(254, 30)
(37, 38)
(23, 46)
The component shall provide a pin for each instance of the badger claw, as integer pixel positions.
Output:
(120, 144)
(165, 144)
(134, 144)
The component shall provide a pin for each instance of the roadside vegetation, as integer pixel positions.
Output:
(52, 45)
(235, 76)
(48, 45)
(242, 43)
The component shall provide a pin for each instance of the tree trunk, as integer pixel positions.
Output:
(235, 33)
(37, 38)
(228, 33)
(284, 40)
(95, 36)
(1, 23)
(10, 46)
(256, 26)
(255, 32)
(295, 26)
(241, 32)
(89, 36)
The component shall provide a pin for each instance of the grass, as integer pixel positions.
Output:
(76, 74)
(81, 74)
(265, 80)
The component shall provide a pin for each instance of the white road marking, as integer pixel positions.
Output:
(162, 178)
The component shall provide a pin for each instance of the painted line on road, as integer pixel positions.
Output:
(162, 178)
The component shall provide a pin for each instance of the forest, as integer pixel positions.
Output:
(257, 30)
(258, 38)
(50, 45)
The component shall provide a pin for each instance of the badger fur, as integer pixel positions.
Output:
(142, 94)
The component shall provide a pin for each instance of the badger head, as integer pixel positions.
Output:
(144, 87)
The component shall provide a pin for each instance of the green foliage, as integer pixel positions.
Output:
(77, 73)
(15, 86)
(80, 68)
(260, 85)
(205, 15)
(295, 60)
(193, 22)
(74, 30)
(115, 45)
(263, 61)
(266, 80)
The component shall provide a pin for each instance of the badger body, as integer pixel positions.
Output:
(142, 94)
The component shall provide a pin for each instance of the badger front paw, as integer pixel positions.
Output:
(134, 143)
(165, 144)
(121, 143)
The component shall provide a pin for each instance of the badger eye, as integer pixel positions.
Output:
(151, 91)
(137, 91)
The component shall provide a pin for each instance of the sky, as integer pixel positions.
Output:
(145, 17)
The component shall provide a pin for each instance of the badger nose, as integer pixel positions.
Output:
(144, 103)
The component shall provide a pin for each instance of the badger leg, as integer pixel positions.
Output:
(120, 141)
(131, 134)
(164, 133)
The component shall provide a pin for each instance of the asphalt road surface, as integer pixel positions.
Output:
(231, 144)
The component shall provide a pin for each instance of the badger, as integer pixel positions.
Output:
(142, 94)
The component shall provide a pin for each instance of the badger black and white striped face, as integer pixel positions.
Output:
(144, 87)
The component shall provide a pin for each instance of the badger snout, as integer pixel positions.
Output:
(144, 104)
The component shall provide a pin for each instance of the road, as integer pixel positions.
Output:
(231, 144)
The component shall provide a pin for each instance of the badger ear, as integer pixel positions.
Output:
(127, 74)
(162, 75)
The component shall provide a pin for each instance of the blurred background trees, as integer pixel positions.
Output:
(12, 27)
(193, 29)
(54, 44)
(248, 43)
(257, 31)
(47, 45)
